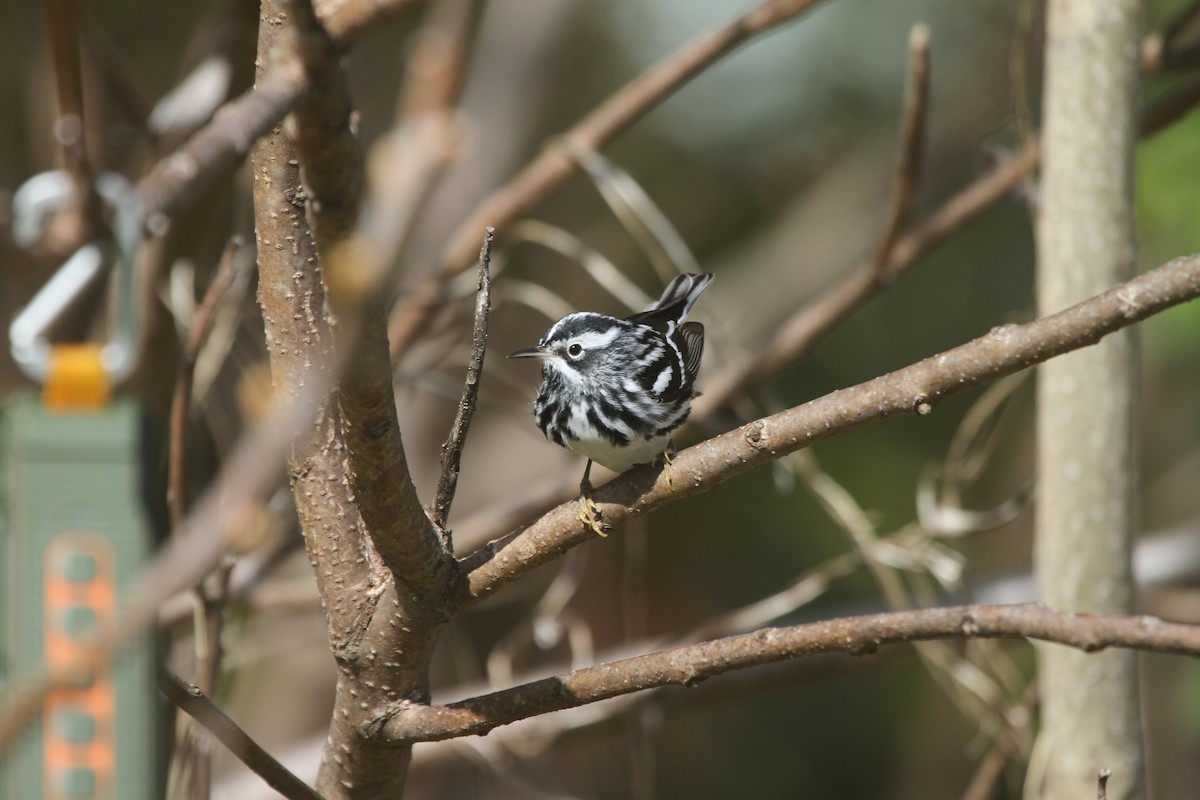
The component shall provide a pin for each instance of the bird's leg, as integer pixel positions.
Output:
(589, 512)
(665, 456)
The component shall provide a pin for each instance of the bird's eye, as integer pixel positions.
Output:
(575, 350)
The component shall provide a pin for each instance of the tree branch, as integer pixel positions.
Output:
(180, 401)
(384, 494)
(691, 664)
(452, 449)
(913, 389)
(196, 704)
(911, 152)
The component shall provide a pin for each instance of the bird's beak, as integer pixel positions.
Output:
(529, 352)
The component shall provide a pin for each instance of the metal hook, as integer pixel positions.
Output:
(33, 203)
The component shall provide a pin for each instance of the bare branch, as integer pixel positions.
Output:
(912, 147)
(913, 389)
(691, 664)
(209, 615)
(452, 449)
(197, 335)
(352, 266)
(196, 704)
(555, 165)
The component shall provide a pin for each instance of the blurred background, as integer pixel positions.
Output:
(774, 169)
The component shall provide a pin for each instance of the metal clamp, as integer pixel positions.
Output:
(33, 203)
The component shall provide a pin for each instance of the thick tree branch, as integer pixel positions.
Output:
(555, 164)
(1085, 517)
(691, 664)
(913, 389)
(384, 494)
(381, 566)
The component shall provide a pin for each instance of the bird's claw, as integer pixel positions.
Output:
(665, 456)
(589, 513)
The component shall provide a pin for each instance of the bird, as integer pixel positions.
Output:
(615, 390)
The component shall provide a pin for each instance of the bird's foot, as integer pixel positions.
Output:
(589, 513)
(665, 458)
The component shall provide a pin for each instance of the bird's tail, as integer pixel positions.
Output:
(679, 296)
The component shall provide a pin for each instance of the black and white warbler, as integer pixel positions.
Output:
(615, 390)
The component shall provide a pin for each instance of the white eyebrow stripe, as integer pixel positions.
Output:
(596, 340)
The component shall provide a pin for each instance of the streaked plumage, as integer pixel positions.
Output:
(615, 390)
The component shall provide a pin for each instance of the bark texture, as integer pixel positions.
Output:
(381, 568)
(1086, 452)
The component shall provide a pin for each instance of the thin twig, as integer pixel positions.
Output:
(196, 704)
(208, 616)
(197, 334)
(452, 449)
(911, 153)
(692, 664)
(1102, 784)
(913, 389)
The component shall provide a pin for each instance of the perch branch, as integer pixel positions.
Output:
(799, 334)
(913, 389)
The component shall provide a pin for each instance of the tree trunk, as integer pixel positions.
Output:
(1086, 455)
